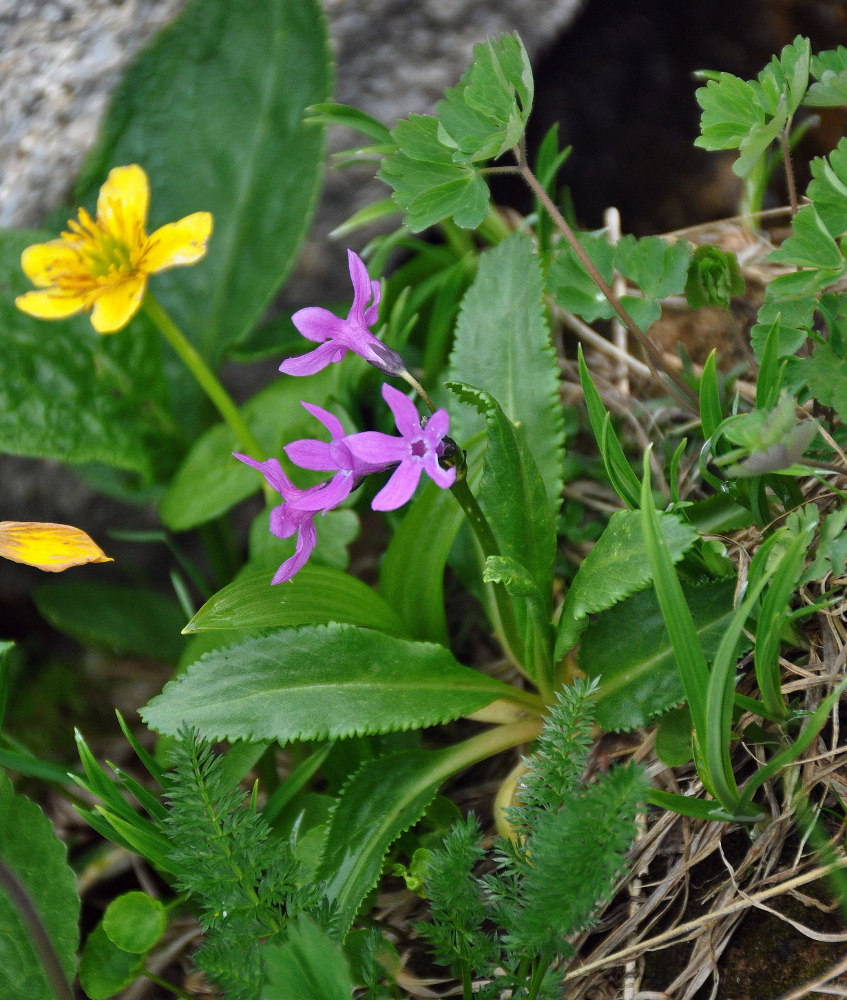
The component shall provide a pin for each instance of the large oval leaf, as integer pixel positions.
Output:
(316, 595)
(321, 682)
(213, 111)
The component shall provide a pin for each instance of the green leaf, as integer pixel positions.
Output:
(333, 113)
(618, 469)
(512, 495)
(68, 393)
(210, 481)
(180, 96)
(310, 965)
(710, 400)
(114, 617)
(795, 317)
(428, 186)
(615, 568)
(135, 922)
(502, 345)
(826, 374)
(572, 285)
(829, 69)
(673, 737)
(38, 862)
(713, 278)
(105, 969)
(486, 113)
(658, 267)
(828, 188)
(810, 245)
(628, 649)
(320, 682)
(317, 595)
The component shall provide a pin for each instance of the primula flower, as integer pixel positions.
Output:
(51, 547)
(338, 336)
(296, 513)
(417, 450)
(102, 264)
(332, 456)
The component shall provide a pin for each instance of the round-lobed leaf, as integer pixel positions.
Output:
(134, 922)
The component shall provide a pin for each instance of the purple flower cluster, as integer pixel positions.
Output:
(350, 457)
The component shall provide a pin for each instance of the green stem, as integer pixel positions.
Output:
(789, 169)
(651, 351)
(206, 379)
(487, 542)
(165, 985)
(419, 389)
(39, 938)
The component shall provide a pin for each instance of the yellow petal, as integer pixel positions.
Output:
(51, 547)
(182, 242)
(42, 263)
(122, 204)
(49, 304)
(116, 306)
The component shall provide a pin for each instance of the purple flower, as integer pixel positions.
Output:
(337, 336)
(332, 456)
(417, 450)
(296, 513)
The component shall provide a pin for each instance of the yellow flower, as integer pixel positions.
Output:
(102, 264)
(51, 547)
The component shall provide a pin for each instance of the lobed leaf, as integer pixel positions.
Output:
(829, 69)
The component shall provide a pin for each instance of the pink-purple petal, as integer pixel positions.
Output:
(306, 540)
(405, 412)
(377, 448)
(310, 453)
(329, 420)
(399, 488)
(314, 361)
(317, 323)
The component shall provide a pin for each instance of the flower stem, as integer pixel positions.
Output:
(651, 351)
(206, 379)
(419, 389)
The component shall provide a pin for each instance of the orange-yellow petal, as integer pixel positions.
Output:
(51, 547)
(115, 306)
(182, 242)
(122, 204)
(49, 304)
(42, 263)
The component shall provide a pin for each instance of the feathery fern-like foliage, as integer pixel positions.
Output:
(244, 881)
(568, 849)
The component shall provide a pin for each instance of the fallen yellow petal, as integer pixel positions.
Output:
(51, 547)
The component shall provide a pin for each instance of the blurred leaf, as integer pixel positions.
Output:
(316, 595)
(319, 682)
(658, 267)
(114, 617)
(828, 188)
(810, 245)
(486, 113)
(213, 111)
(673, 737)
(38, 861)
(829, 69)
(135, 922)
(105, 969)
(573, 286)
(827, 377)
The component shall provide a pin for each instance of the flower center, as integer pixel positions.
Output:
(418, 448)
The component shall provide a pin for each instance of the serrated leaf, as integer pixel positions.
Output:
(320, 682)
(713, 278)
(614, 569)
(68, 393)
(486, 113)
(573, 286)
(502, 345)
(38, 861)
(114, 617)
(512, 494)
(316, 595)
(175, 102)
(428, 186)
(810, 245)
(628, 649)
(829, 69)
(795, 316)
(828, 189)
